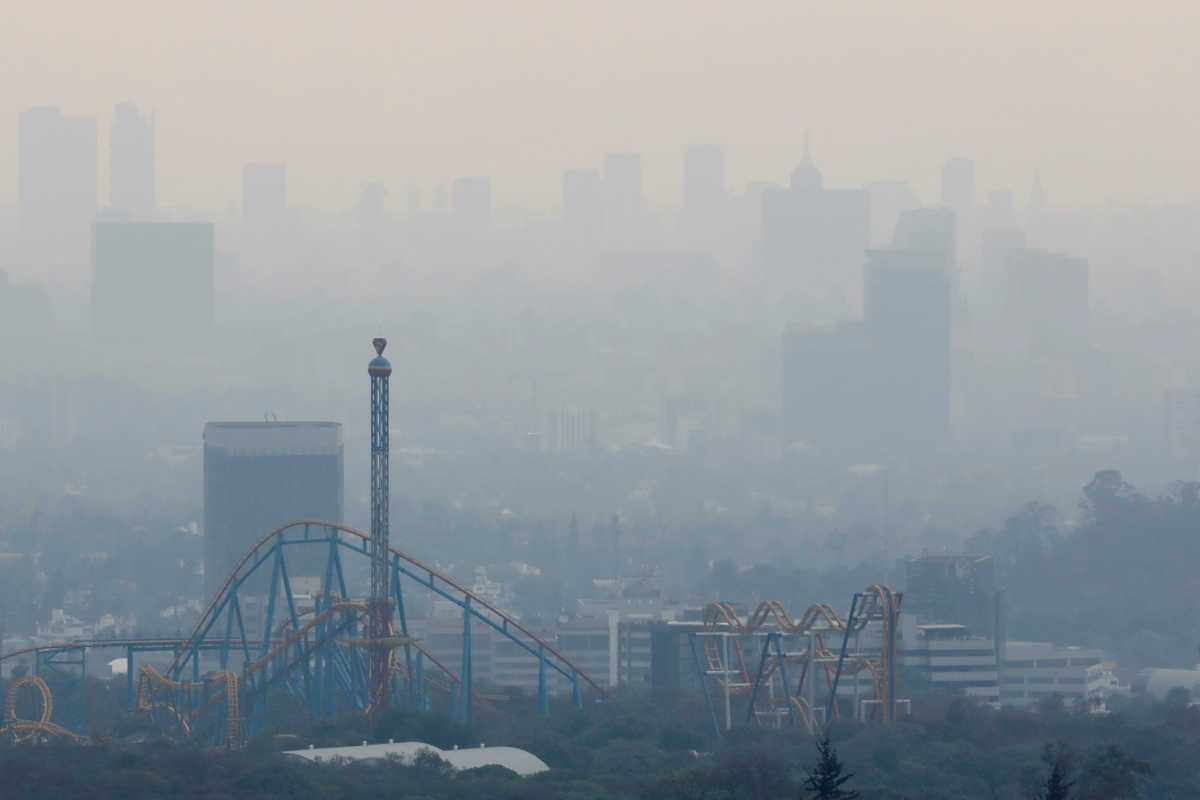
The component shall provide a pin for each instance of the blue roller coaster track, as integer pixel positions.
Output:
(321, 655)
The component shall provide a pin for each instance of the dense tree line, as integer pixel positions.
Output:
(655, 747)
(1122, 577)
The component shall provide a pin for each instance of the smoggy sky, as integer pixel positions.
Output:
(1101, 97)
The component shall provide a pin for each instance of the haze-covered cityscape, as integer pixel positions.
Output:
(661, 402)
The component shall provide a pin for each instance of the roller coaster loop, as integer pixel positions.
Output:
(30, 730)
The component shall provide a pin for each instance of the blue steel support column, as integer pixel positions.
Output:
(762, 665)
(379, 604)
(837, 675)
(132, 700)
(783, 676)
(543, 699)
(465, 698)
(702, 674)
(576, 695)
(403, 617)
(422, 700)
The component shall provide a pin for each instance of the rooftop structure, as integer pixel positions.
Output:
(519, 761)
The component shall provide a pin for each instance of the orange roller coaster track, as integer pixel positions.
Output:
(721, 661)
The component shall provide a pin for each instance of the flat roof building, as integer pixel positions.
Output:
(261, 475)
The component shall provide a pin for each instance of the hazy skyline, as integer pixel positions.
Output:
(1099, 99)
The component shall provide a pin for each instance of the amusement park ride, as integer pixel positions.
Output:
(800, 644)
(348, 654)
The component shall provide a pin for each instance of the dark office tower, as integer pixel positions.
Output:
(370, 206)
(264, 195)
(56, 190)
(622, 193)
(131, 163)
(471, 203)
(907, 315)
(152, 283)
(958, 185)
(260, 475)
(583, 203)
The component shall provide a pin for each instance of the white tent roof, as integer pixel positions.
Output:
(519, 761)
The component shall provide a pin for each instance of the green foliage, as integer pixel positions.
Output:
(826, 778)
(1112, 774)
(1058, 759)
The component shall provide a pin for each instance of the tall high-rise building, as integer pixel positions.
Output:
(56, 191)
(622, 193)
(261, 475)
(813, 239)
(907, 305)
(583, 202)
(264, 195)
(958, 194)
(152, 282)
(471, 203)
(131, 163)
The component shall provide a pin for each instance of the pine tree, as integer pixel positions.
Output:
(826, 777)
(1059, 758)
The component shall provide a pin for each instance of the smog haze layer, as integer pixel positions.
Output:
(1098, 96)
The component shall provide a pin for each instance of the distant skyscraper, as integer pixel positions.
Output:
(264, 195)
(907, 315)
(471, 203)
(56, 191)
(622, 192)
(152, 282)
(583, 202)
(813, 239)
(131, 163)
(260, 475)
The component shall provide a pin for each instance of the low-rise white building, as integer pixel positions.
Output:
(1031, 671)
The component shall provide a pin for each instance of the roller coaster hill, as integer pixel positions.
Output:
(257, 644)
(255, 647)
(765, 667)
